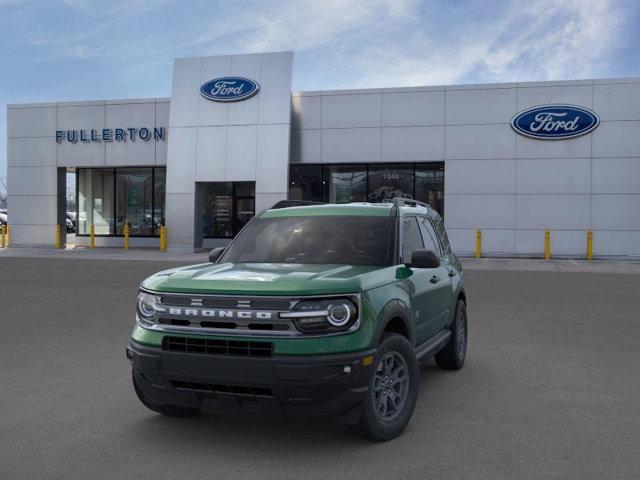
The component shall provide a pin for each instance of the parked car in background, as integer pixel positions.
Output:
(3, 217)
(71, 222)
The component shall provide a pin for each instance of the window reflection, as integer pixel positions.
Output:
(134, 193)
(95, 201)
(345, 183)
(390, 181)
(226, 207)
(374, 182)
(110, 198)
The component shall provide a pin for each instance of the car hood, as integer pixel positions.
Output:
(270, 279)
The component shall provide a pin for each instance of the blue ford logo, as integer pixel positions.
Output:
(229, 89)
(555, 122)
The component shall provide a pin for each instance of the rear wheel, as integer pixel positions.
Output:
(393, 390)
(169, 410)
(452, 356)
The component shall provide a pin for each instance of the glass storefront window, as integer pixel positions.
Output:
(134, 193)
(110, 198)
(305, 182)
(345, 183)
(95, 201)
(376, 182)
(390, 181)
(430, 185)
(226, 207)
(159, 194)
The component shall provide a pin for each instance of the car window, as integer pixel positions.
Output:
(411, 238)
(430, 239)
(315, 239)
(442, 233)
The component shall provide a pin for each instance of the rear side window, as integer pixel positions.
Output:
(430, 239)
(411, 238)
(442, 233)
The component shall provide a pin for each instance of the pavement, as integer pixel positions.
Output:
(550, 388)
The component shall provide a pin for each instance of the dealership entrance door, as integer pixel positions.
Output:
(222, 209)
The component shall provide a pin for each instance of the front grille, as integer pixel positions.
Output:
(208, 346)
(229, 389)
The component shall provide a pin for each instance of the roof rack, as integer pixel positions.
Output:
(295, 203)
(408, 202)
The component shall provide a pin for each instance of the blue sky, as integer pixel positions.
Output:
(85, 49)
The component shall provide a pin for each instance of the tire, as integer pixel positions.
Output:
(386, 415)
(169, 410)
(452, 356)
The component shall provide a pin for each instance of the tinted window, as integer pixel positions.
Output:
(226, 207)
(430, 185)
(442, 233)
(134, 193)
(430, 239)
(305, 182)
(411, 238)
(350, 240)
(345, 183)
(390, 181)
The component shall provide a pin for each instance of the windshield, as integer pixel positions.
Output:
(350, 240)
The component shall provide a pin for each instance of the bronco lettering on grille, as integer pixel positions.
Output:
(217, 313)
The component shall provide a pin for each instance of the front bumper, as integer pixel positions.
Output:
(312, 385)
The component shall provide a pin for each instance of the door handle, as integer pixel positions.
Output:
(435, 279)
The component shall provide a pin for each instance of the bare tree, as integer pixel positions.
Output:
(3, 193)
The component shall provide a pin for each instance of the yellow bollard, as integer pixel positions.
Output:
(3, 231)
(126, 237)
(478, 243)
(92, 237)
(547, 244)
(163, 238)
(589, 245)
(58, 236)
(8, 235)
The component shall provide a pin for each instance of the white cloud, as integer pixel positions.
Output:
(362, 43)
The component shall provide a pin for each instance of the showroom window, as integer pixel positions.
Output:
(375, 182)
(226, 207)
(110, 198)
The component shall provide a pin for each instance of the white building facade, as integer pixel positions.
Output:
(512, 160)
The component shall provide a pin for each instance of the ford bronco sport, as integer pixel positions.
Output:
(313, 310)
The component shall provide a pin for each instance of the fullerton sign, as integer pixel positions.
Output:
(555, 122)
(110, 135)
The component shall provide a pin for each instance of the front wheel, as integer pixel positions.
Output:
(393, 390)
(452, 356)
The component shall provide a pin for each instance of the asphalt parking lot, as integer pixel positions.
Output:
(551, 389)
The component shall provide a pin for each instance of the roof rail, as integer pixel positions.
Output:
(408, 202)
(294, 203)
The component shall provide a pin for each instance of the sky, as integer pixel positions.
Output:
(88, 50)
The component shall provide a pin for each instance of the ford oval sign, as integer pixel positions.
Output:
(229, 89)
(555, 122)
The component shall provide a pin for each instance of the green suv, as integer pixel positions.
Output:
(311, 310)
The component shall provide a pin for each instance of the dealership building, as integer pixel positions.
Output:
(512, 160)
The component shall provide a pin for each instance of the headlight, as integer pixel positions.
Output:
(147, 307)
(324, 315)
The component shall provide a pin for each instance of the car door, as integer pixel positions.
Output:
(442, 292)
(420, 284)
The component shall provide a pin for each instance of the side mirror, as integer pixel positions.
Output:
(424, 259)
(215, 254)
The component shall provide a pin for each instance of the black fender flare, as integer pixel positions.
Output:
(395, 309)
